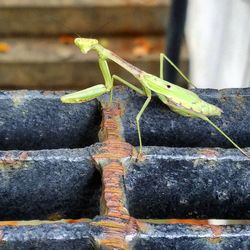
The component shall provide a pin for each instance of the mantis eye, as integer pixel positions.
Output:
(168, 86)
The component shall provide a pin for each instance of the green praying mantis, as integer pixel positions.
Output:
(178, 99)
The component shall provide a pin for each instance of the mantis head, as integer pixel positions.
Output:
(85, 44)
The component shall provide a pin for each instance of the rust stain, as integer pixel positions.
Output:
(116, 230)
(40, 222)
(188, 221)
(114, 146)
(113, 198)
(208, 152)
(111, 126)
(8, 223)
(198, 224)
(114, 150)
(8, 161)
(72, 221)
(109, 157)
(23, 156)
(217, 231)
(118, 223)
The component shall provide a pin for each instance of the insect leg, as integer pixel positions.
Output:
(107, 76)
(162, 57)
(85, 95)
(95, 91)
(130, 85)
(148, 93)
(227, 137)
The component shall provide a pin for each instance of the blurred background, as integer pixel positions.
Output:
(37, 50)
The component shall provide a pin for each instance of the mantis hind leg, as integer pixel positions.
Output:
(142, 92)
(162, 57)
(139, 116)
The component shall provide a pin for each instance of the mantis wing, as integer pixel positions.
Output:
(182, 101)
(185, 102)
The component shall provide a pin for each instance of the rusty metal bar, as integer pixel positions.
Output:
(189, 183)
(165, 182)
(34, 120)
(48, 185)
(81, 236)
(110, 159)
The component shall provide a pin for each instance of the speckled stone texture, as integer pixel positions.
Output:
(48, 184)
(32, 120)
(189, 183)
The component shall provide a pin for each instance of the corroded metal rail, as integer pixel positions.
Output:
(110, 158)
(45, 193)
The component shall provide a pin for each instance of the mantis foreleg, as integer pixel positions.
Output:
(109, 80)
(107, 77)
(96, 91)
(85, 95)
(162, 57)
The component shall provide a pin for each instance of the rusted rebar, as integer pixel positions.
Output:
(117, 222)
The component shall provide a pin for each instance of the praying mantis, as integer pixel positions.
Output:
(181, 101)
